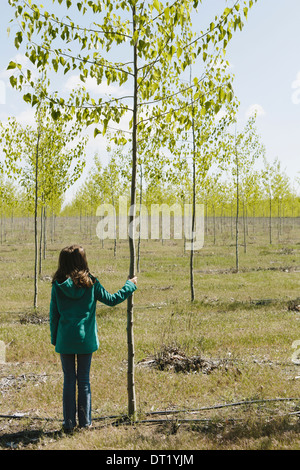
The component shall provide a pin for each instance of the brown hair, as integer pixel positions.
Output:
(73, 263)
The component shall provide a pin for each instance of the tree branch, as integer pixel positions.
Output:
(78, 28)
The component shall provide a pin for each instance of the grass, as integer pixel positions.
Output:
(241, 318)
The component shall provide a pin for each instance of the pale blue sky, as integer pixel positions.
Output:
(265, 60)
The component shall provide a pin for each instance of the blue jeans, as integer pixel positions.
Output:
(82, 376)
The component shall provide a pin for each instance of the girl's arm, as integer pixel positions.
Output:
(54, 317)
(111, 300)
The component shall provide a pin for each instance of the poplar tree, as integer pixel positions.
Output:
(159, 41)
(44, 161)
(207, 125)
(243, 148)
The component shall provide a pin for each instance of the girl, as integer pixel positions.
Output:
(73, 327)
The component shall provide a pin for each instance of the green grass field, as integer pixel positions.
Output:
(244, 323)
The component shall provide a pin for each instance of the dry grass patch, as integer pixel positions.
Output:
(233, 344)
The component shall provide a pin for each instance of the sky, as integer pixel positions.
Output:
(264, 58)
(266, 63)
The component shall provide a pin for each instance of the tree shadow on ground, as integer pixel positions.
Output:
(257, 432)
(27, 437)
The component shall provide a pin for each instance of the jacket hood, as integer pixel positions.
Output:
(70, 290)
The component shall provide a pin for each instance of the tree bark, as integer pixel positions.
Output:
(244, 227)
(139, 240)
(41, 240)
(45, 232)
(130, 300)
(193, 206)
(193, 220)
(270, 221)
(35, 302)
(237, 211)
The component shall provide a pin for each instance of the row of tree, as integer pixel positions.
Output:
(262, 192)
(264, 189)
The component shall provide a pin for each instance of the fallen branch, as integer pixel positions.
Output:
(165, 412)
(226, 405)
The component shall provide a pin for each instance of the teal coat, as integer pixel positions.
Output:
(72, 315)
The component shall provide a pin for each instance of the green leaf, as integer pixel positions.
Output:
(13, 81)
(229, 96)
(11, 65)
(217, 108)
(207, 105)
(35, 100)
(156, 5)
(18, 39)
(96, 132)
(167, 14)
(105, 123)
(55, 114)
(222, 95)
(27, 98)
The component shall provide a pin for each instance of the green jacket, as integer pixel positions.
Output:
(72, 314)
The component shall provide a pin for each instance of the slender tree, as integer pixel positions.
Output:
(244, 148)
(42, 160)
(207, 126)
(159, 37)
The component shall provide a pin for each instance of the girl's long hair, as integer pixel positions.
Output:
(73, 264)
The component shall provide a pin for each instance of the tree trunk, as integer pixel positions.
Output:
(45, 233)
(139, 240)
(231, 220)
(115, 222)
(130, 300)
(36, 219)
(214, 223)
(192, 241)
(41, 240)
(270, 221)
(244, 227)
(237, 212)
(193, 217)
